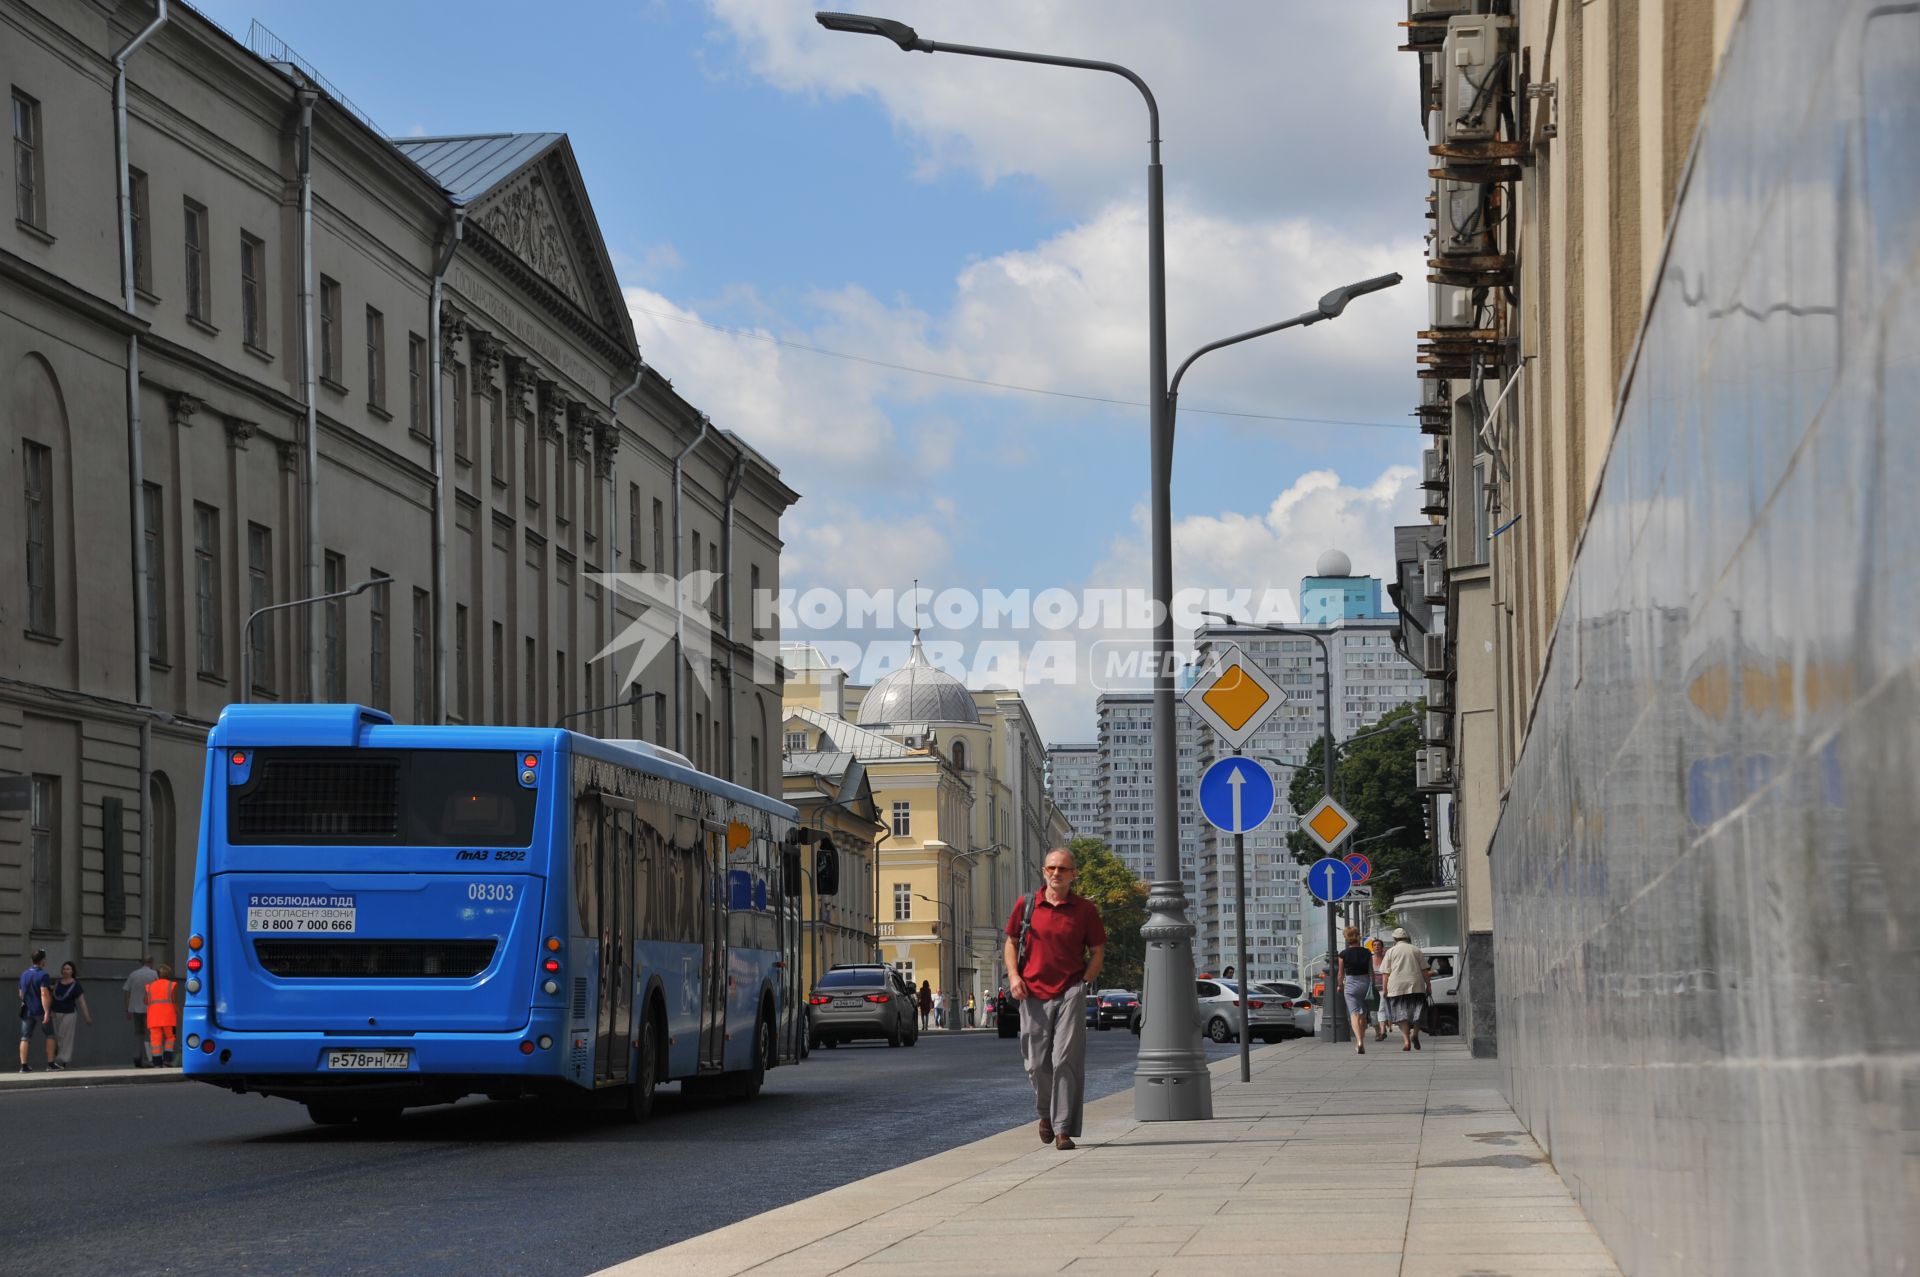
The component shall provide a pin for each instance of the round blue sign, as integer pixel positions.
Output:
(1236, 795)
(1329, 879)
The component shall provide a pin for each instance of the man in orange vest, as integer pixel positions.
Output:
(163, 1017)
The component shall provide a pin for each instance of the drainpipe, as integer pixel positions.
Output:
(136, 463)
(726, 599)
(442, 494)
(310, 371)
(679, 612)
(609, 594)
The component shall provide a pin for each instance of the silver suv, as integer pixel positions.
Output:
(864, 1000)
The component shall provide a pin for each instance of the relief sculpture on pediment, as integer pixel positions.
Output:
(523, 220)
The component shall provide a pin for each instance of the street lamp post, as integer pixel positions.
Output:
(246, 630)
(1171, 1080)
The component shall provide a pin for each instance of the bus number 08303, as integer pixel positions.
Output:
(489, 891)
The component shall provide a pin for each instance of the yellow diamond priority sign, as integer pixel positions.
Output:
(1235, 696)
(1328, 823)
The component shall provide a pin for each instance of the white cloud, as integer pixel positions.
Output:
(1336, 105)
(840, 547)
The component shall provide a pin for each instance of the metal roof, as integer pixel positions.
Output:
(468, 167)
(918, 692)
(855, 740)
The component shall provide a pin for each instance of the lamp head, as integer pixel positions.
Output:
(1336, 301)
(859, 24)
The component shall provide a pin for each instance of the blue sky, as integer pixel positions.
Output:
(755, 173)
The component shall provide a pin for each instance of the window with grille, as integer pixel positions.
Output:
(380, 667)
(418, 419)
(376, 358)
(259, 595)
(153, 517)
(29, 195)
(335, 637)
(198, 283)
(253, 291)
(46, 852)
(38, 462)
(207, 615)
(422, 657)
(142, 226)
(330, 351)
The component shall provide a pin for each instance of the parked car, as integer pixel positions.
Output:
(1293, 997)
(1267, 1020)
(1443, 1013)
(1113, 1007)
(863, 1000)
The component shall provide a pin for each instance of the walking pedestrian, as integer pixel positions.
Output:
(135, 987)
(1056, 944)
(969, 1010)
(163, 1017)
(36, 1007)
(69, 1000)
(1355, 967)
(1377, 998)
(939, 1008)
(1406, 969)
(926, 1003)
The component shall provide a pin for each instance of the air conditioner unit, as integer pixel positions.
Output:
(1433, 653)
(1434, 502)
(1474, 77)
(1436, 393)
(1460, 226)
(1431, 767)
(1439, 694)
(1435, 729)
(1433, 580)
(1449, 306)
(1433, 468)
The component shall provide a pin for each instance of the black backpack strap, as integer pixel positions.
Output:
(1026, 925)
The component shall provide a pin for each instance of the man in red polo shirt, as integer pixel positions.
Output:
(1065, 943)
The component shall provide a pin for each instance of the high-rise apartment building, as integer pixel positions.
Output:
(1073, 782)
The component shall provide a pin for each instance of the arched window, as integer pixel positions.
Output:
(960, 755)
(160, 830)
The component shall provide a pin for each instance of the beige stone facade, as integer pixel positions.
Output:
(544, 453)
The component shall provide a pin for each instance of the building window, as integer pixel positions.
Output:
(693, 564)
(499, 673)
(959, 756)
(634, 562)
(903, 902)
(376, 358)
(560, 701)
(29, 197)
(796, 742)
(460, 660)
(660, 534)
(759, 770)
(754, 608)
(530, 466)
(422, 657)
(206, 590)
(198, 283)
(38, 459)
(160, 828)
(259, 595)
(381, 666)
(496, 438)
(902, 820)
(530, 682)
(46, 853)
(153, 515)
(461, 413)
(253, 291)
(334, 667)
(330, 330)
(417, 420)
(142, 231)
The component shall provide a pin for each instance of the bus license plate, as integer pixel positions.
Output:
(367, 1059)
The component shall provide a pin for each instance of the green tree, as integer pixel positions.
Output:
(1373, 778)
(1122, 900)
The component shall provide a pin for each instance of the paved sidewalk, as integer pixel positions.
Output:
(1326, 1163)
(42, 1078)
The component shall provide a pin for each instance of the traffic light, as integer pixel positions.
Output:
(826, 870)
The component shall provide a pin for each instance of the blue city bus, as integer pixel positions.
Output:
(389, 915)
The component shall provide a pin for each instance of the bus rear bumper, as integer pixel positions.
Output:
(435, 1067)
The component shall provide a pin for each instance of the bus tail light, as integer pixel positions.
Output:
(551, 966)
(195, 943)
(526, 1048)
(194, 963)
(876, 997)
(553, 944)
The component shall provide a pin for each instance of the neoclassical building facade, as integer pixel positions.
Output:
(252, 351)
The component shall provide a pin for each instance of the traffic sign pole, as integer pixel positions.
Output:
(1240, 927)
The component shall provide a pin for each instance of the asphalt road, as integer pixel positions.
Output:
(190, 1179)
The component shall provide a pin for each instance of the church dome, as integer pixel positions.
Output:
(918, 693)
(1333, 563)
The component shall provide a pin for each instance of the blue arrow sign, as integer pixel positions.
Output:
(1236, 795)
(1329, 879)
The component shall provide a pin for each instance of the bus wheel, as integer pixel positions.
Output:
(330, 1114)
(646, 1073)
(747, 1082)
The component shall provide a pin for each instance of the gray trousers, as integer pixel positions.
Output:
(1053, 1041)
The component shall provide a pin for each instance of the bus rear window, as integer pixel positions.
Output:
(421, 797)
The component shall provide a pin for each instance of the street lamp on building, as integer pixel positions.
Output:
(246, 630)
